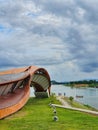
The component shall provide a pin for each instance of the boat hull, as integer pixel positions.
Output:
(15, 87)
(4, 112)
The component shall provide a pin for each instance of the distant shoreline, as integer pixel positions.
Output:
(83, 83)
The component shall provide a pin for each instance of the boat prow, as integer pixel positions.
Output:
(15, 87)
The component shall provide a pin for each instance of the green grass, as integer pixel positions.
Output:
(38, 115)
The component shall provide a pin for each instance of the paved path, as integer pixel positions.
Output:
(64, 103)
(67, 106)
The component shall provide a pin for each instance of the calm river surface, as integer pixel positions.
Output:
(90, 95)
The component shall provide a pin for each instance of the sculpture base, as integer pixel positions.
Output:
(41, 94)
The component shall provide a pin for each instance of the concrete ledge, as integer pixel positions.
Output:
(77, 109)
(41, 94)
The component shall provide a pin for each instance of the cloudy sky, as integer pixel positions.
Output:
(59, 35)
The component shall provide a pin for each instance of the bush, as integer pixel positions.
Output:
(71, 98)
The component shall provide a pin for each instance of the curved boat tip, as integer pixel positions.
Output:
(15, 87)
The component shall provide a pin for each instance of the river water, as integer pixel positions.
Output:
(88, 96)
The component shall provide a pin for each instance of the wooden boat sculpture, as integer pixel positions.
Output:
(15, 87)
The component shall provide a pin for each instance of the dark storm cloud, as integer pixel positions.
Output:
(91, 10)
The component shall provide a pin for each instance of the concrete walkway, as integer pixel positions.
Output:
(64, 103)
(67, 106)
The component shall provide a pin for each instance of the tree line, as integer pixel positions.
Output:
(84, 83)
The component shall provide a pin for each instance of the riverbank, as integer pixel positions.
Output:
(76, 104)
(87, 96)
(38, 115)
(73, 105)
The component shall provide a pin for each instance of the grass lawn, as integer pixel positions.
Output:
(38, 115)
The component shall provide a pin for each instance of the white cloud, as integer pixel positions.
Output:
(60, 35)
